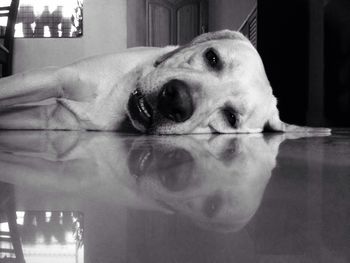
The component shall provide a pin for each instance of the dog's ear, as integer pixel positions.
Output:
(222, 34)
(168, 55)
(274, 123)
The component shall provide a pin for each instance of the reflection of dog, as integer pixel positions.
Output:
(216, 83)
(216, 180)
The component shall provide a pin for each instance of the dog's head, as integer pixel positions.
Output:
(216, 83)
(217, 181)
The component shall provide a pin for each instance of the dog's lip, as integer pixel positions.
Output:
(139, 108)
(140, 159)
(158, 162)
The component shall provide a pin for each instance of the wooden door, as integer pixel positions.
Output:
(175, 22)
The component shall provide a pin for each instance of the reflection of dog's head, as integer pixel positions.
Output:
(218, 181)
(216, 83)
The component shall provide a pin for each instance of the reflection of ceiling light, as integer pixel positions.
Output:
(18, 30)
(3, 21)
(4, 227)
(20, 217)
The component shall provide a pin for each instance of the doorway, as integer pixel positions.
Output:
(165, 22)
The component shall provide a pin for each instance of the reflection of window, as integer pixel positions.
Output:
(3, 16)
(49, 18)
(45, 236)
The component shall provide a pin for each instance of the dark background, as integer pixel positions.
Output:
(305, 47)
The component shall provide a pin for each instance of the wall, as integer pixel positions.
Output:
(223, 14)
(104, 31)
(228, 14)
(136, 23)
(100, 37)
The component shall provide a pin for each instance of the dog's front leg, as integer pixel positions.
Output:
(24, 100)
(54, 116)
(31, 86)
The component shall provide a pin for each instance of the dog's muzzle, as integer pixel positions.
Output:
(175, 101)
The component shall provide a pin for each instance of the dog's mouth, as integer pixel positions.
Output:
(172, 167)
(140, 159)
(140, 110)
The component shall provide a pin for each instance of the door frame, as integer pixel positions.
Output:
(137, 22)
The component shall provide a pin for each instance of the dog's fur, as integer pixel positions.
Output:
(95, 94)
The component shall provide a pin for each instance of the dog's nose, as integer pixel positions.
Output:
(175, 101)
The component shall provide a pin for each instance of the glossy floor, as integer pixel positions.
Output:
(103, 197)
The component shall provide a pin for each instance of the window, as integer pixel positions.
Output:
(49, 18)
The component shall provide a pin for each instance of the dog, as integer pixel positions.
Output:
(214, 84)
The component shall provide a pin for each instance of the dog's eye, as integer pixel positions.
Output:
(212, 59)
(231, 117)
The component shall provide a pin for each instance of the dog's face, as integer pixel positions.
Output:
(217, 83)
(216, 180)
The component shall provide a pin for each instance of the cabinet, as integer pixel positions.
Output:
(174, 22)
(165, 22)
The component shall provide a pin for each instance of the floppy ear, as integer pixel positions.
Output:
(164, 57)
(275, 124)
(222, 34)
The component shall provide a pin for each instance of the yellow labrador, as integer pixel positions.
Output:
(216, 83)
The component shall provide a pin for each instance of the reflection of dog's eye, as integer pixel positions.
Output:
(212, 59)
(212, 205)
(230, 117)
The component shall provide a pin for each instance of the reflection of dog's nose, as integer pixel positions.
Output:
(175, 102)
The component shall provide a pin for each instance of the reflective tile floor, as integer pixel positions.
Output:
(105, 197)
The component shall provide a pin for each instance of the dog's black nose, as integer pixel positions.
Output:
(175, 102)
